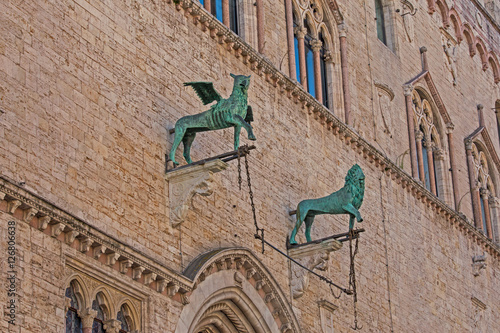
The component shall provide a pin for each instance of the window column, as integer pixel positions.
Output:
(316, 47)
(454, 179)
(291, 42)
(487, 216)
(300, 33)
(87, 316)
(474, 190)
(225, 13)
(408, 91)
(419, 135)
(430, 161)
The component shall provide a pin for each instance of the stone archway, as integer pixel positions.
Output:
(234, 292)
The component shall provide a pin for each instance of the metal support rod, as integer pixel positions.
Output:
(337, 237)
(321, 277)
(234, 155)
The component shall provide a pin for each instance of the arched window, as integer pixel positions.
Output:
(98, 324)
(73, 321)
(430, 154)
(485, 191)
(124, 317)
(310, 50)
(379, 17)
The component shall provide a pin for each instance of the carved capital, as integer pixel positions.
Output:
(484, 193)
(408, 89)
(300, 32)
(419, 135)
(449, 128)
(438, 153)
(342, 28)
(112, 326)
(316, 45)
(87, 315)
(185, 183)
(468, 144)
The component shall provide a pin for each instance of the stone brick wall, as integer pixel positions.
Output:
(89, 89)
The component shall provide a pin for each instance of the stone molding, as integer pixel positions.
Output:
(185, 183)
(243, 261)
(91, 242)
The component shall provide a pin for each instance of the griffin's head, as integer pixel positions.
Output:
(241, 82)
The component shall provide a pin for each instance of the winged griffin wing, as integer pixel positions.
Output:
(205, 91)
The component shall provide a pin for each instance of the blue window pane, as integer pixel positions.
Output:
(297, 64)
(310, 71)
(218, 9)
(379, 14)
(435, 176)
(202, 2)
(73, 322)
(121, 318)
(483, 215)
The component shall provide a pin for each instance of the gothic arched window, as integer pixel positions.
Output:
(310, 50)
(98, 324)
(123, 316)
(484, 191)
(428, 145)
(73, 320)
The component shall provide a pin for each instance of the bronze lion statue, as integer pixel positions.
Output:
(347, 200)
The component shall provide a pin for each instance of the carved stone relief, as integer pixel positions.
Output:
(185, 183)
(450, 51)
(385, 95)
(313, 256)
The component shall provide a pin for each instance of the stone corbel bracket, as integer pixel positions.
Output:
(185, 182)
(312, 256)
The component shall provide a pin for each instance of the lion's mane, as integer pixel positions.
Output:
(354, 185)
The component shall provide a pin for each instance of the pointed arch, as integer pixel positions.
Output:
(103, 297)
(232, 287)
(431, 4)
(481, 48)
(80, 289)
(469, 36)
(129, 313)
(456, 21)
(495, 66)
(445, 12)
(309, 24)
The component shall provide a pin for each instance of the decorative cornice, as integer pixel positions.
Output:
(89, 238)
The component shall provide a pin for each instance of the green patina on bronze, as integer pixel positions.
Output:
(347, 200)
(231, 112)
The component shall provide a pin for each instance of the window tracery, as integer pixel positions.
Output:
(428, 144)
(73, 320)
(110, 310)
(485, 190)
(311, 49)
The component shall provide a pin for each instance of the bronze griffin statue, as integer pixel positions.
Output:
(231, 112)
(347, 200)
